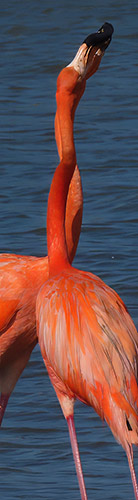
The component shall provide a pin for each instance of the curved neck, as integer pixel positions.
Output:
(57, 250)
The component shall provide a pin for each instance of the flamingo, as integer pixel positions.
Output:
(87, 338)
(21, 277)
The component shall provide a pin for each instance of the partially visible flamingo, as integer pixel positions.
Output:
(87, 338)
(21, 277)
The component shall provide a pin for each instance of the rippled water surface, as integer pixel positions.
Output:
(37, 39)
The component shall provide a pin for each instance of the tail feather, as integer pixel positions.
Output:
(124, 422)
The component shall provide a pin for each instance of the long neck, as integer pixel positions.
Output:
(64, 119)
(74, 204)
(57, 250)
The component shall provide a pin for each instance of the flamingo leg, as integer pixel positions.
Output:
(3, 403)
(76, 455)
(132, 472)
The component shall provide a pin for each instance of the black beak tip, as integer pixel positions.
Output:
(103, 35)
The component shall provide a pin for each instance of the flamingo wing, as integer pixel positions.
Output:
(91, 345)
(20, 280)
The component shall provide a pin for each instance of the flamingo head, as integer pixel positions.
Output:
(90, 53)
(72, 79)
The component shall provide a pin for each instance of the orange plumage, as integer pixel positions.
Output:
(90, 341)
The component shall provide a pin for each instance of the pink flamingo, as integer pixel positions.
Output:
(87, 338)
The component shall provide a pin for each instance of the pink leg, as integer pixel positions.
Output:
(75, 450)
(3, 403)
(132, 471)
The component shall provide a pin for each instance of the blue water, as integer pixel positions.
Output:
(37, 39)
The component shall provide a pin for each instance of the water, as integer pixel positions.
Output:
(37, 40)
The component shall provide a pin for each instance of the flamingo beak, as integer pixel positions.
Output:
(101, 38)
(96, 44)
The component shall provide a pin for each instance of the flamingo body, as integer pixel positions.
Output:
(89, 344)
(20, 281)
